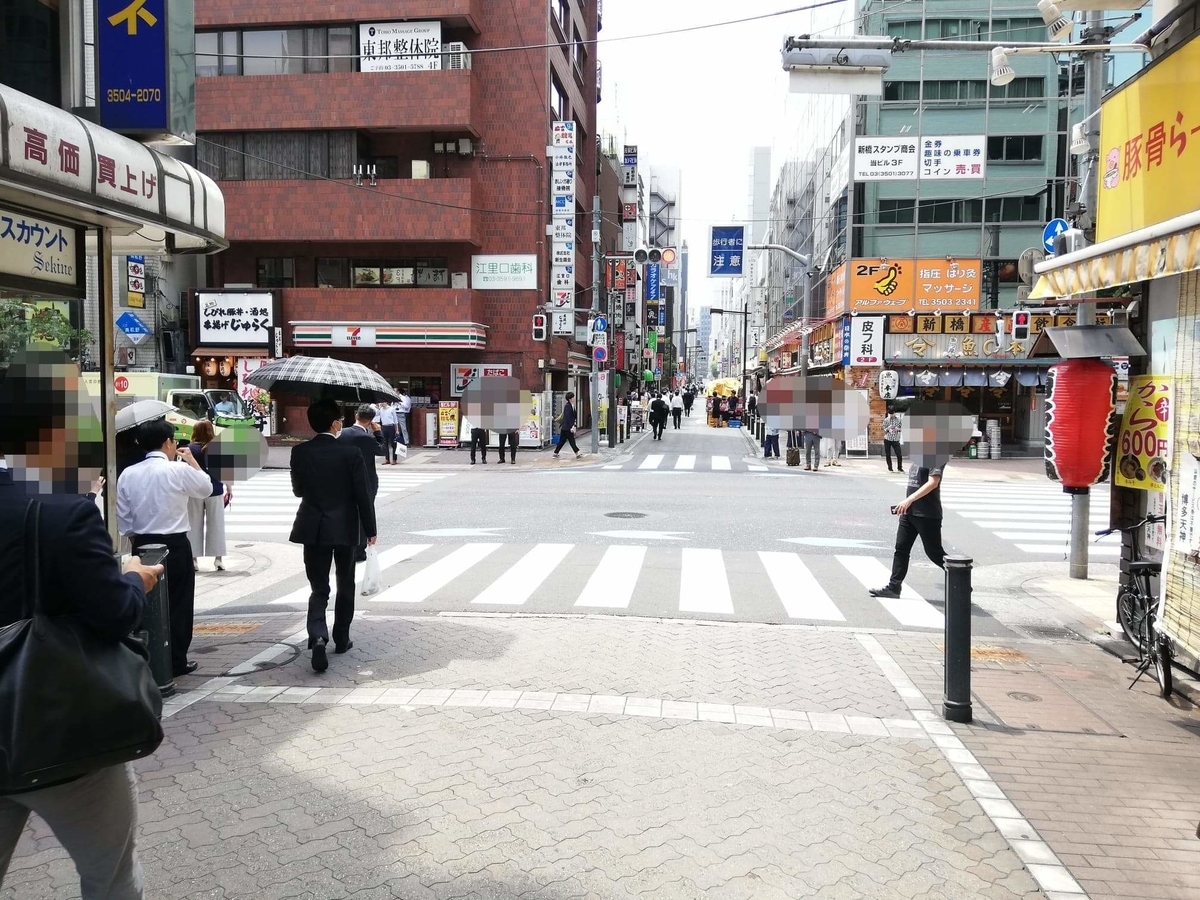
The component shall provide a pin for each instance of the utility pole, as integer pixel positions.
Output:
(595, 379)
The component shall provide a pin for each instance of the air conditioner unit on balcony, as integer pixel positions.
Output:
(456, 56)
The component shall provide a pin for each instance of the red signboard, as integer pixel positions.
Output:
(620, 354)
(628, 212)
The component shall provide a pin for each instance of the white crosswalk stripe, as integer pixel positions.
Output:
(685, 462)
(707, 583)
(651, 462)
(1035, 516)
(264, 507)
(671, 463)
(721, 464)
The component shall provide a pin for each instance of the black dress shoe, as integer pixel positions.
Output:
(342, 648)
(186, 670)
(320, 662)
(885, 591)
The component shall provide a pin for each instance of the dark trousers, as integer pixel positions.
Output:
(687, 409)
(566, 436)
(677, 415)
(479, 438)
(812, 450)
(513, 438)
(389, 442)
(909, 527)
(890, 447)
(657, 426)
(181, 590)
(770, 442)
(317, 558)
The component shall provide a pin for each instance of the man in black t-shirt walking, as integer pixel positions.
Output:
(920, 514)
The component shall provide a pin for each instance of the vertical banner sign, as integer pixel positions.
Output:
(726, 243)
(135, 294)
(131, 78)
(1144, 443)
(847, 341)
(653, 281)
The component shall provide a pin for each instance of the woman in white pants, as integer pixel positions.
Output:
(206, 518)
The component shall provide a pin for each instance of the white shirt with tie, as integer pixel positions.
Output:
(152, 496)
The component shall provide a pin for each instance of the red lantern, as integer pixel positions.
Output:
(1081, 422)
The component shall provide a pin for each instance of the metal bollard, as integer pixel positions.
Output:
(156, 621)
(956, 699)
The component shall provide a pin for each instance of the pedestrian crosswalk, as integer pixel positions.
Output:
(264, 507)
(663, 463)
(1034, 516)
(564, 578)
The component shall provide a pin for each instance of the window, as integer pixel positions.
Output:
(940, 211)
(207, 48)
(947, 28)
(278, 155)
(1021, 89)
(289, 51)
(342, 49)
(333, 273)
(394, 273)
(1014, 30)
(908, 91)
(896, 212)
(908, 31)
(316, 42)
(564, 16)
(958, 90)
(579, 52)
(276, 52)
(1015, 148)
(1013, 209)
(558, 99)
(276, 272)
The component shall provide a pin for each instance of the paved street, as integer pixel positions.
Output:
(694, 697)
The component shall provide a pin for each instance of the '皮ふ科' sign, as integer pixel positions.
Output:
(237, 318)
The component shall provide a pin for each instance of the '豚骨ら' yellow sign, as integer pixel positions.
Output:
(1144, 443)
(1150, 146)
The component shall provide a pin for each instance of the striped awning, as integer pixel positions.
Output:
(1125, 260)
(378, 335)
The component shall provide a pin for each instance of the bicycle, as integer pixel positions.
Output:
(1137, 611)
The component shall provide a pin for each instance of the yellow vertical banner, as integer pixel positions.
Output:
(1144, 441)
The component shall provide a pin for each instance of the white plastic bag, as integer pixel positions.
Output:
(401, 451)
(372, 581)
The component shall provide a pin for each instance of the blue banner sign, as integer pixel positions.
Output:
(726, 244)
(132, 88)
(652, 281)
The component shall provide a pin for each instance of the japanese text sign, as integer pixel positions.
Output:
(885, 159)
(1150, 146)
(562, 134)
(653, 281)
(132, 90)
(1144, 442)
(726, 244)
(237, 318)
(866, 340)
(879, 285)
(40, 254)
(504, 273)
(947, 286)
(400, 46)
(463, 375)
(835, 292)
(952, 157)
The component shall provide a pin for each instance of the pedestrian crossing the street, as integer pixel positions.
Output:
(1034, 516)
(564, 578)
(663, 463)
(264, 507)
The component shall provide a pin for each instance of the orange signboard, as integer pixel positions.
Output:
(835, 293)
(882, 286)
(949, 286)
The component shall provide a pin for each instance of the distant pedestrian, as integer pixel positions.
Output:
(388, 417)
(752, 405)
(920, 515)
(689, 397)
(566, 427)
(677, 409)
(812, 451)
(479, 438)
(771, 442)
(403, 408)
(206, 517)
(513, 437)
(659, 410)
(891, 439)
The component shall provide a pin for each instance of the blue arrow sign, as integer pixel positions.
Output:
(599, 324)
(1053, 229)
(131, 324)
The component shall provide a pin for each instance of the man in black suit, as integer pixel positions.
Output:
(330, 479)
(362, 434)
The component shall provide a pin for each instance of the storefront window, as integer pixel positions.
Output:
(400, 273)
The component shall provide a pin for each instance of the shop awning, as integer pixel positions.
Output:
(1171, 248)
(408, 335)
(61, 165)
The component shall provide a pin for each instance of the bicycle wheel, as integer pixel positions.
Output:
(1131, 613)
(1162, 666)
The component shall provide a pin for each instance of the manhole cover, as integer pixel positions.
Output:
(214, 628)
(625, 515)
(1022, 697)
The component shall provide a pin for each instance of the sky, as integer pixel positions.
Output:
(699, 101)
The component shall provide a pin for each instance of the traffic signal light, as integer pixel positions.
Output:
(647, 254)
(539, 326)
(1020, 326)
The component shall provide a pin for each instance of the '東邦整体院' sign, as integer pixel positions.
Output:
(400, 46)
(504, 273)
(40, 254)
(235, 318)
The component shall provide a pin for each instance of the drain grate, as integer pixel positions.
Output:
(625, 515)
(1049, 632)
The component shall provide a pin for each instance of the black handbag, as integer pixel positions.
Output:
(72, 700)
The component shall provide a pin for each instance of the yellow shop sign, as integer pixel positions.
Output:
(1150, 146)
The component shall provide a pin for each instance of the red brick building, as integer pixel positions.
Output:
(291, 104)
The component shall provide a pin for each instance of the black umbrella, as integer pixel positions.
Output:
(310, 376)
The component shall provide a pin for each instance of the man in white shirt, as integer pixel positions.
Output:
(676, 409)
(152, 508)
(387, 418)
(403, 408)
